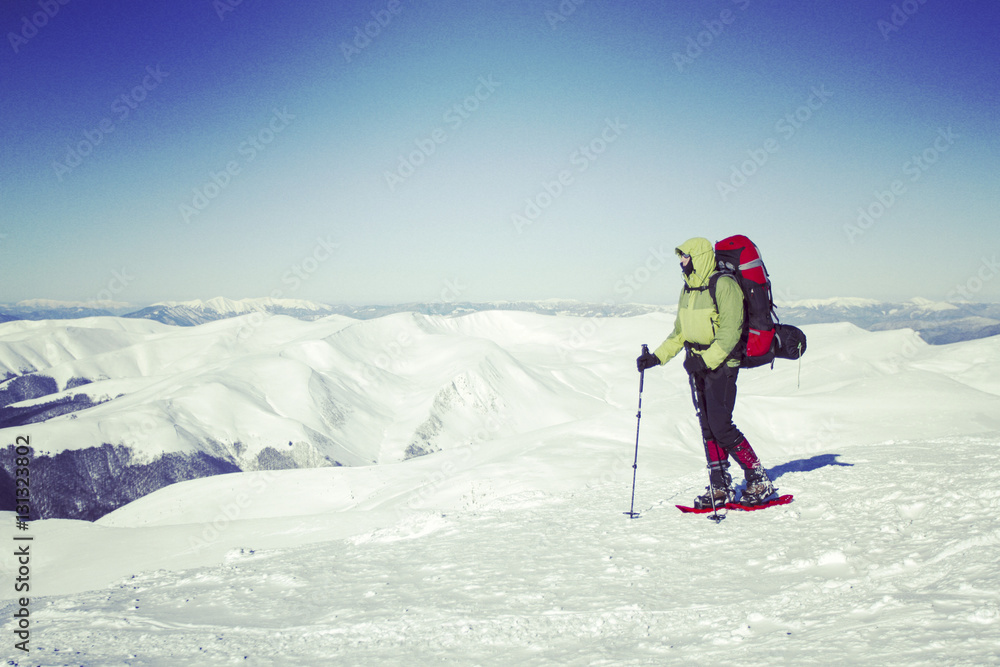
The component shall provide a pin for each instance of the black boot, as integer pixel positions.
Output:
(719, 493)
(759, 487)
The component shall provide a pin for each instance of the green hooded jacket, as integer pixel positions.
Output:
(698, 321)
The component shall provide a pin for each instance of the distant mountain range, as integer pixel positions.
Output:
(937, 322)
(47, 309)
(191, 313)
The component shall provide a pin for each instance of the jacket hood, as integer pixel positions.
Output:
(702, 256)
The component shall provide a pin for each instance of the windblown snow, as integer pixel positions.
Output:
(480, 517)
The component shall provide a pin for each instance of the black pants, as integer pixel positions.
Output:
(715, 397)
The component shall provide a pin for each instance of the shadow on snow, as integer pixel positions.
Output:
(806, 465)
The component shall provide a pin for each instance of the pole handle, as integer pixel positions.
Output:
(642, 373)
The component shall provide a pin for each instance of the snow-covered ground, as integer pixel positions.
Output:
(510, 547)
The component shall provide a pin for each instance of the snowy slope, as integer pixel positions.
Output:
(509, 546)
(28, 346)
(856, 571)
(857, 568)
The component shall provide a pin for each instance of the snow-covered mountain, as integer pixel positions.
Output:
(191, 313)
(565, 307)
(122, 406)
(49, 309)
(937, 322)
(505, 542)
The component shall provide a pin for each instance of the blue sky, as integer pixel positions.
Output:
(386, 152)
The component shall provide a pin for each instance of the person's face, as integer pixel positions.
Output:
(687, 268)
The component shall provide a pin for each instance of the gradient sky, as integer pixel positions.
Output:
(495, 150)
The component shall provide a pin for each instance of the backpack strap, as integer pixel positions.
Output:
(713, 281)
(741, 344)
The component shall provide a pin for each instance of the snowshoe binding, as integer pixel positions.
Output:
(759, 489)
(718, 494)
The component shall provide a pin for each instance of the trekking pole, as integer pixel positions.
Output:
(635, 462)
(798, 378)
(715, 516)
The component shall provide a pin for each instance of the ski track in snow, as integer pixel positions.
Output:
(886, 556)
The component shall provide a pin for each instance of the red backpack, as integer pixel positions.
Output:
(764, 337)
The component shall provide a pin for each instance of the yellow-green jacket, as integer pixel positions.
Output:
(698, 321)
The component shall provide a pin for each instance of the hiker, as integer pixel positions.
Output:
(711, 331)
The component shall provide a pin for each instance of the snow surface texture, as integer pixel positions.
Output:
(511, 547)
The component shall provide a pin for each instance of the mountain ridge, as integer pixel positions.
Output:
(938, 322)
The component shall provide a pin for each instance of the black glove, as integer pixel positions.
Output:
(647, 360)
(694, 364)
